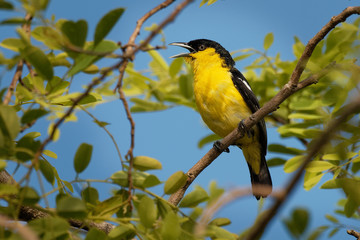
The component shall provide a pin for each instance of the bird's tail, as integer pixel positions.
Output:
(262, 179)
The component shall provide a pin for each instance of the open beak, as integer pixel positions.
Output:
(184, 45)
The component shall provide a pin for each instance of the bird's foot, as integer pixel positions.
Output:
(219, 146)
(250, 132)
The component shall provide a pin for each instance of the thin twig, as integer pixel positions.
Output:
(212, 154)
(19, 67)
(129, 54)
(95, 82)
(227, 198)
(354, 233)
(290, 88)
(108, 133)
(129, 154)
(315, 147)
(310, 46)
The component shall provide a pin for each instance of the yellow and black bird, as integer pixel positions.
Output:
(224, 98)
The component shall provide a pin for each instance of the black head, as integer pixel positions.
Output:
(203, 44)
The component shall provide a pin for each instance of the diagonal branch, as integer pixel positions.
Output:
(315, 147)
(19, 67)
(29, 213)
(290, 88)
(129, 54)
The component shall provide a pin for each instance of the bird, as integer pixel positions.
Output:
(224, 99)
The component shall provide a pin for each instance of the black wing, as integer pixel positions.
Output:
(251, 101)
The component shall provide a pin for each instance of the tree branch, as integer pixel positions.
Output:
(29, 213)
(313, 149)
(19, 67)
(290, 88)
(129, 54)
(354, 233)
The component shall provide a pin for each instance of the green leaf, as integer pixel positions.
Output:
(39, 60)
(50, 154)
(13, 20)
(142, 105)
(75, 31)
(220, 222)
(171, 229)
(331, 218)
(90, 195)
(305, 116)
(29, 196)
(144, 163)
(175, 67)
(32, 115)
(215, 232)
(319, 166)
(92, 69)
(8, 189)
(186, 86)
(47, 171)
(208, 139)
(337, 157)
(274, 162)
(121, 232)
(121, 178)
(50, 227)
(350, 207)
(298, 47)
(298, 221)
(106, 23)
(9, 122)
(82, 157)
(6, 5)
(151, 181)
(32, 134)
(268, 41)
(175, 182)
(305, 104)
(317, 232)
(70, 207)
(278, 148)
(330, 184)
(68, 99)
(147, 211)
(3, 165)
(192, 199)
(293, 163)
(84, 60)
(56, 133)
(95, 234)
(52, 38)
(333, 232)
(13, 44)
(26, 147)
(311, 179)
(351, 188)
(214, 192)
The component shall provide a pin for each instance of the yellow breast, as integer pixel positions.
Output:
(219, 102)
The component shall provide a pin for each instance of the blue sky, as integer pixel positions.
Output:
(171, 136)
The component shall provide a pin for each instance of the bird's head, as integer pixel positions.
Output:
(204, 50)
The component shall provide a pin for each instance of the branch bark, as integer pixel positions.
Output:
(290, 88)
(315, 147)
(354, 233)
(29, 213)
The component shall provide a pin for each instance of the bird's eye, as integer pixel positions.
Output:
(202, 47)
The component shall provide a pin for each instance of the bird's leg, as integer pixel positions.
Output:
(218, 146)
(250, 132)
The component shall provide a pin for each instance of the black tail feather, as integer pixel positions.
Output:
(261, 179)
